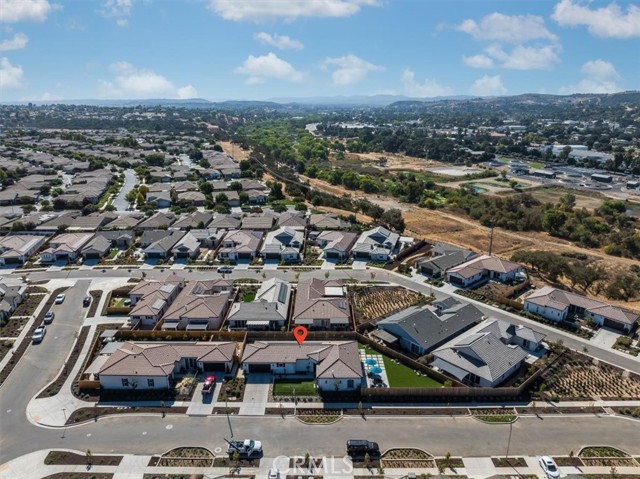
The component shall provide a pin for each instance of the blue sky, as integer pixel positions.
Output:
(261, 49)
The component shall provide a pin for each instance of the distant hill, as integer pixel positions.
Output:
(355, 100)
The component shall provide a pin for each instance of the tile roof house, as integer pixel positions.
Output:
(292, 220)
(208, 238)
(327, 221)
(193, 197)
(103, 241)
(443, 257)
(321, 304)
(65, 247)
(181, 186)
(92, 222)
(336, 244)
(10, 299)
(240, 244)
(198, 219)
(421, 329)
(527, 338)
(161, 247)
(480, 359)
(336, 365)
(158, 220)
(558, 305)
(150, 299)
(187, 247)
(268, 310)
(257, 222)
(283, 244)
(201, 306)
(17, 249)
(142, 366)
(483, 268)
(161, 198)
(377, 244)
(228, 222)
(126, 222)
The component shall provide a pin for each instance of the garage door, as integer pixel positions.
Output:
(608, 323)
(260, 368)
(213, 366)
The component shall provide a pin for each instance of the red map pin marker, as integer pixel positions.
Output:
(300, 333)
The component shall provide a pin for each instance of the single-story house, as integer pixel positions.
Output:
(514, 334)
(187, 247)
(557, 305)
(443, 257)
(421, 329)
(98, 247)
(208, 238)
(150, 299)
(240, 244)
(197, 309)
(10, 299)
(268, 310)
(162, 247)
(17, 249)
(283, 244)
(321, 304)
(292, 220)
(225, 222)
(65, 247)
(328, 221)
(198, 219)
(262, 222)
(158, 220)
(160, 198)
(483, 268)
(336, 244)
(377, 244)
(480, 359)
(336, 365)
(143, 366)
(194, 197)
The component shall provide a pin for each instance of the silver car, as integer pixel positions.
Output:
(38, 334)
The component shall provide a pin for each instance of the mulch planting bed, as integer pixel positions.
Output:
(443, 411)
(86, 413)
(407, 457)
(278, 411)
(608, 462)
(80, 475)
(226, 410)
(54, 387)
(226, 462)
(568, 461)
(29, 305)
(95, 300)
(601, 451)
(65, 458)
(373, 464)
(509, 462)
(13, 327)
(5, 347)
(507, 411)
(232, 390)
(19, 351)
(187, 457)
(452, 463)
(303, 476)
(36, 290)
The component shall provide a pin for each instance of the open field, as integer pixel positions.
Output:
(586, 200)
(394, 162)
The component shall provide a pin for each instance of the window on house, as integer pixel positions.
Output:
(125, 382)
(350, 383)
(280, 365)
(150, 383)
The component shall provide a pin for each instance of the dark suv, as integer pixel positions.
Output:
(357, 448)
(86, 301)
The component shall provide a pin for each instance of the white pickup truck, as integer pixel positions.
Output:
(247, 449)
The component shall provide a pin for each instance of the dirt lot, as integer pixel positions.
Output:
(234, 150)
(589, 201)
(395, 162)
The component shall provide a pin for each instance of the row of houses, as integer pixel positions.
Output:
(172, 304)
(334, 365)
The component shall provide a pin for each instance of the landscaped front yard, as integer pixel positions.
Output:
(302, 388)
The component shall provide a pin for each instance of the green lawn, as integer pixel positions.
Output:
(303, 388)
(248, 297)
(535, 164)
(401, 376)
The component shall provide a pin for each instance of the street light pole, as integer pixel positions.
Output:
(509, 442)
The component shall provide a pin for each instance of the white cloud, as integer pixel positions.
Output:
(187, 92)
(264, 67)
(498, 27)
(478, 61)
(281, 42)
(429, 88)
(607, 22)
(118, 9)
(599, 77)
(10, 76)
(262, 10)
(46, 96)
(138, 83)
(349, 69)
(525, 58)
(13, 11)
(488, 86)
(18, 42)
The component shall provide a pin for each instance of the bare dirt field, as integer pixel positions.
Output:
(234, 150)
(590, 201)
(395, 162)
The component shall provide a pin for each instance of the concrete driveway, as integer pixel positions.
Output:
(605, 337)
(256, 394)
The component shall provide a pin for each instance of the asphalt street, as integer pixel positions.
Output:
(608, 355)
(130, 181)
(154, 434)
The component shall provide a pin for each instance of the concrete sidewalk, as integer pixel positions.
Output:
(135, 466)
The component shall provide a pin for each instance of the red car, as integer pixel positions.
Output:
(209, 384)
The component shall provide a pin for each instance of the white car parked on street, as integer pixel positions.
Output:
(549, 467)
